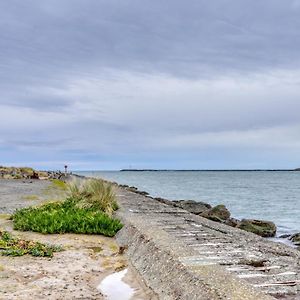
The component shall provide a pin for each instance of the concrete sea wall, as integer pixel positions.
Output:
(184, 256)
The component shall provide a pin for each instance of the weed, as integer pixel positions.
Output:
(10, 246)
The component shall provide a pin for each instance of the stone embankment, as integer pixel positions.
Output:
(218, 213)
(185, 256)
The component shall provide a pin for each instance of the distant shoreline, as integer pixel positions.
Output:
(225, 170)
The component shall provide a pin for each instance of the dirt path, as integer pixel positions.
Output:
(15, 194)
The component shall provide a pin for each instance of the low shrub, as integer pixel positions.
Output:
(11, 246)
(64, 217)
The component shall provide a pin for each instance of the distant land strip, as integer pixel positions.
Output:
(208, 170)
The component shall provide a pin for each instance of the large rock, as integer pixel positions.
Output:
(259, 227)
(233, 222)
(165, 201)
(192, 206)
(295, 238)
(218, 213)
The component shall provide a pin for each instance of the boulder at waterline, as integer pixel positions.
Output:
(218, 213)
(192, 206)
(165, 201)
(295, 238)
(259, 227)
(232, 222)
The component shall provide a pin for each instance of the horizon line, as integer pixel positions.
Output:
(193, 170)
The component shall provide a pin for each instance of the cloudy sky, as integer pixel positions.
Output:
(150, 84)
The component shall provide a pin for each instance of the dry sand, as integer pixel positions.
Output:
(73, 273)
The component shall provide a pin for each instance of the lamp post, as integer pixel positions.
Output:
(66, 170)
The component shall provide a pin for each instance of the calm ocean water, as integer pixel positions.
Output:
(273, 196)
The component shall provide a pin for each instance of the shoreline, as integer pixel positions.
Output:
(283, 228)
(281, 238)
(207, 170)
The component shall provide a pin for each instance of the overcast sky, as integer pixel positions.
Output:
(150, 84)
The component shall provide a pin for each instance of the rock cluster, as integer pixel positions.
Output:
(262, 228)
(28, 173)
(295, 238)
(217, 213)
(221, 214)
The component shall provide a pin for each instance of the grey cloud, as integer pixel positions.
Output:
(199, 36)
(165, 77)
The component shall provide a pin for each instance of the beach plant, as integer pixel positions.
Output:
(93, 193)
(65, 217)
(12, 246)
(88, 209)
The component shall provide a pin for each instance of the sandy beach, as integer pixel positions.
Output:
(75, 272)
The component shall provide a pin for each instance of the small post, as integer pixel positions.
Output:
(66, 170)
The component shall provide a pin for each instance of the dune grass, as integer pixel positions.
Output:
(93, 193)
(88, 209)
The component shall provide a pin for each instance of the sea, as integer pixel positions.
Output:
(265, 195)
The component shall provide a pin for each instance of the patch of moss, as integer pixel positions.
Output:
(31, 197)
(59, 184)
(96, 249)
(5, 216)
(113, 247)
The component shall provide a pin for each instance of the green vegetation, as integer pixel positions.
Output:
(88, 209)
(31, 197)
(95, 194)
(59, 184)
(11, 246)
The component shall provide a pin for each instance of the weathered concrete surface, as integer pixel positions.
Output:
(184, 256)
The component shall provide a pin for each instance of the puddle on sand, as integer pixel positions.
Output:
(114, 288)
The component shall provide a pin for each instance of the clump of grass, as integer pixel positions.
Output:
(95, 194)
(88, 209)
(65, 217)
(10, 246)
